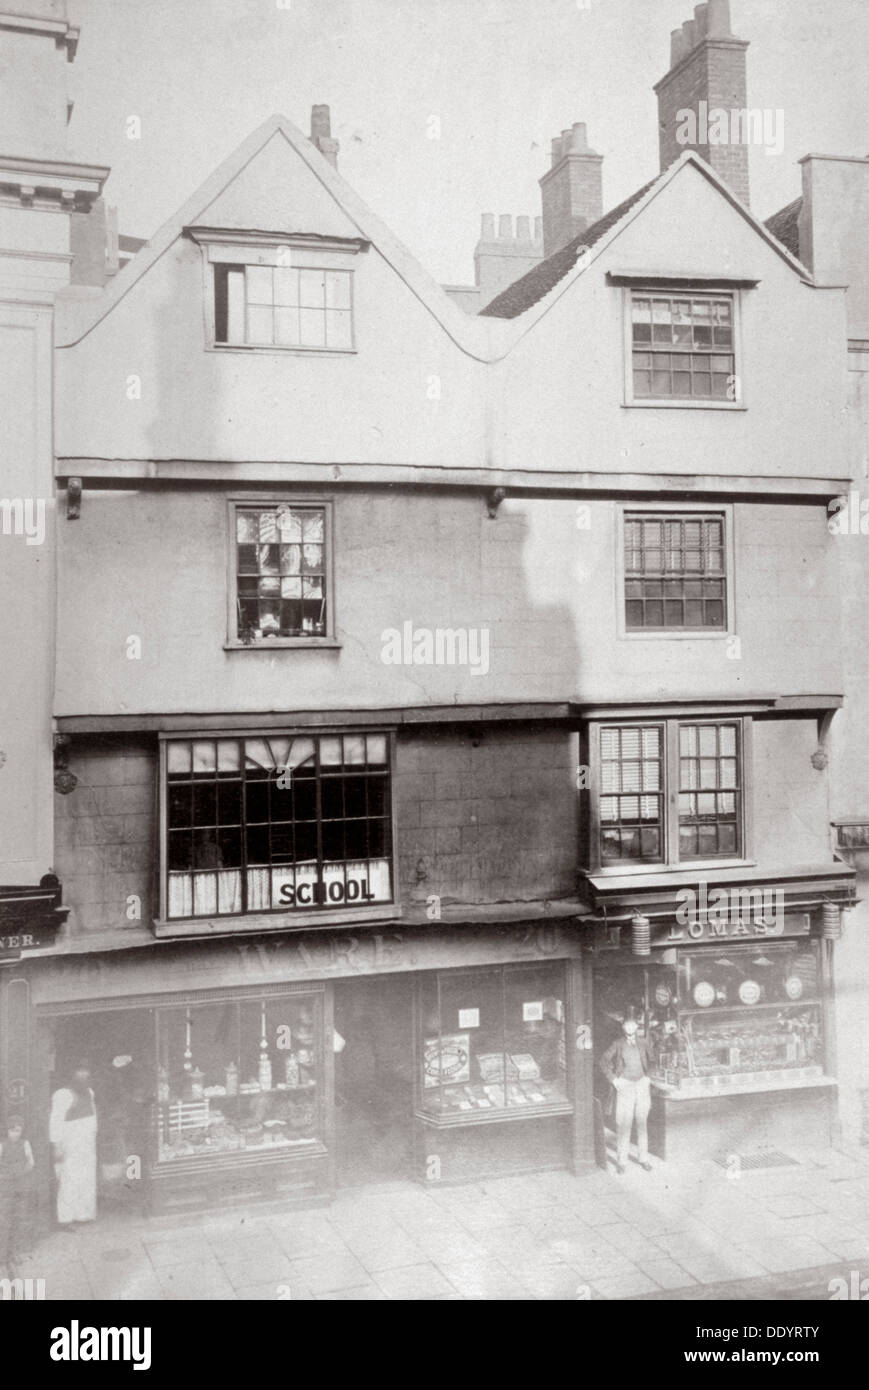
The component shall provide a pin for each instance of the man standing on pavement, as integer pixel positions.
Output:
(625, 1064)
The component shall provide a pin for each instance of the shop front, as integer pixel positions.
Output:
(737, 1012)
(293, 1066)
(494, 1091)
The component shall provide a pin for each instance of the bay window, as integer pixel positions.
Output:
(667, 791)
(277, 822)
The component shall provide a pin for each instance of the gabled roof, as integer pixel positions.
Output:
(537, 283)
(483, 337)
(784, 225)
(78, 318)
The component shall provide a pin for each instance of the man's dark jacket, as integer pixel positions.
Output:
(612, 1063)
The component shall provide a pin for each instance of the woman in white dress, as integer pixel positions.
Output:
(73, 1135)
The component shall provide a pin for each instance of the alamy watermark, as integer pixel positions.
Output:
(23, 516)
(722, 910)
(732, 126)
(22, 1290)
(442, 646)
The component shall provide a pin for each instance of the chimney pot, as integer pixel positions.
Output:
(578, 137)
(699, 77)
(487, 227)
(556, 150)
(523, 228)
(505, 226)
(321, 134)
(570, 190)
(321, 122)
(718, 19)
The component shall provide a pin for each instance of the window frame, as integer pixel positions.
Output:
(670, 861)
(243, 501)
(695, 634)
(693, 290)
(275, 250)
(484, 974)
(274, 919)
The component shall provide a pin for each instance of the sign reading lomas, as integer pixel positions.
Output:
(715, 928)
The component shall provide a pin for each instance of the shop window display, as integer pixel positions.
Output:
(738, 1017)
(491, 1042)
(239, 1077)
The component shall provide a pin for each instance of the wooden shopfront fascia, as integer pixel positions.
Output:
(309, 962)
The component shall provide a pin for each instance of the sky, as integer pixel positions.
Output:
(444, 109)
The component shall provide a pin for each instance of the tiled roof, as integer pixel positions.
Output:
(536, 283)
(784, 225)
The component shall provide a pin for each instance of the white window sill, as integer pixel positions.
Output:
(246, 924)
(273, 644)
(277, 348)
(676, 634)
(654, 404)
(688, 867)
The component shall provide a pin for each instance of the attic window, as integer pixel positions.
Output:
(683, 347)
(283, 306)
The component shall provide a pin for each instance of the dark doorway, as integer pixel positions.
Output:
(374, 1079)
(119, 1049)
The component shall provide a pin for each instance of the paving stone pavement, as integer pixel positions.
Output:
(672, 1233)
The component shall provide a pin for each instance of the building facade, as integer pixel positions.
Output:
(433, 688)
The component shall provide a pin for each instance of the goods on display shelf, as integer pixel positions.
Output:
(739, 1046)
(454, 1100)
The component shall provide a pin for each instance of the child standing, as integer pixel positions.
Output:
(16, 1182)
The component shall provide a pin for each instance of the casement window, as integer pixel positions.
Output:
(632, 793)
(683, 346)
(669, 791)
(675, 571)
(280, 573)
(278, 291)
(283, 306)
(278, 822)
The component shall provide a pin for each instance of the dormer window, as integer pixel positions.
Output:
(287, 292)
(682, 339)
(283, 306)
(683, 347)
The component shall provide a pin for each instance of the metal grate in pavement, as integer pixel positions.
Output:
(757, 1158)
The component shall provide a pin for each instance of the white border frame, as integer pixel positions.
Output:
(241, 923)
(671, 863)
(309, 258)
(672, 508)
(233, 642)
(673, 403)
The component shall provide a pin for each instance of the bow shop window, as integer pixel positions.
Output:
(277, 823)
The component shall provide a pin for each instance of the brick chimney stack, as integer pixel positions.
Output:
(321, 134)
(570, 191)
(502, 257)
(707, 65)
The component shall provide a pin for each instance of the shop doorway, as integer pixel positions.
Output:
(623, 988)
(373, 1080)
(118, 1048)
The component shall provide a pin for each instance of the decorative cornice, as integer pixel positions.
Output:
(63, 33)
(50, 185)
(241, 236)
(530, 482)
